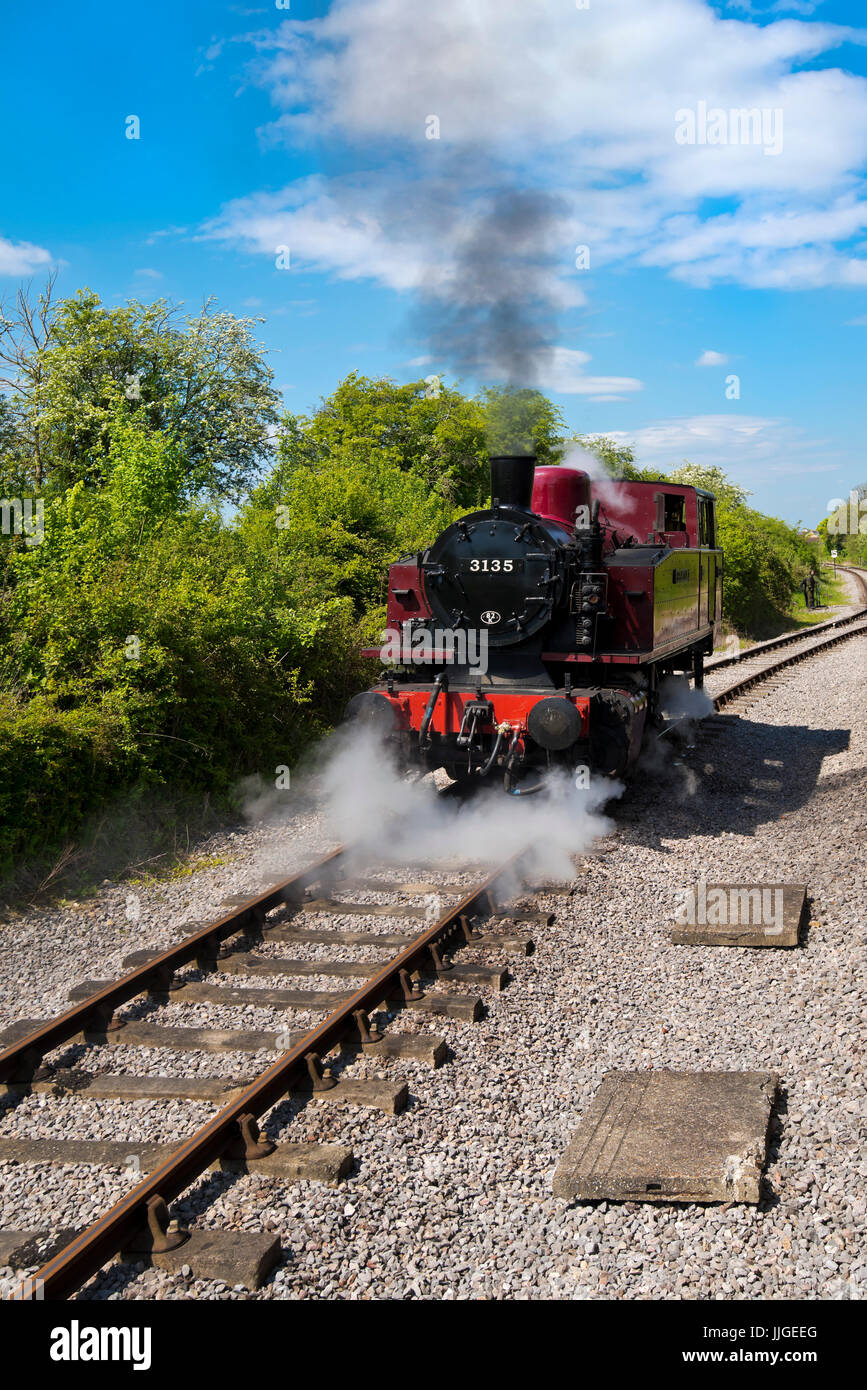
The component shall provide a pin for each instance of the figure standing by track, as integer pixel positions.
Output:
(808, 584)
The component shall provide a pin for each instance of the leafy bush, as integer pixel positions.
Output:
(151, 643)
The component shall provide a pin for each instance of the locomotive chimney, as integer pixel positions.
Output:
(512, 479)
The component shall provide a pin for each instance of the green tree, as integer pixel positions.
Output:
(332, 526)
(712, 479)
(25, 332)
(522, 421)
(203, 380)
(425, 428)
(849, 536)
(146, 641)
(8, 428)
(618, 459)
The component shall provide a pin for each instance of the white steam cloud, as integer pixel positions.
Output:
(389, 817)
(607, 489)
(682, 706)
(682, 701)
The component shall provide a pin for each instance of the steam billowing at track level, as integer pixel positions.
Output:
(579, 596)
(369, 803)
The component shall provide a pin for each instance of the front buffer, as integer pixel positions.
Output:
(507, 735)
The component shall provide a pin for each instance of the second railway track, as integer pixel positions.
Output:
(763, 661)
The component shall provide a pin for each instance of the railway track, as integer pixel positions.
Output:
(797, 646)
(742, 692)
(241, 942)
(791, 639)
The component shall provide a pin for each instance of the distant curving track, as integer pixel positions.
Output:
(798, 646)
(717, 663)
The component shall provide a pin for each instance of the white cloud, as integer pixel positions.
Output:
(581, 101)
(785, 249)
(165, 232)
(562, 369)
(672, 437)
(210, 54)
(517, 77)
(748, 447)
(148, 273)
(401, 234)
(784, 468)
(22, 257)
(709, 358)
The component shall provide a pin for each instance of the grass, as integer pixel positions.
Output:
(180, 866)
(140, 839)
(832, 594)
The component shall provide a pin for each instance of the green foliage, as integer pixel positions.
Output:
(429, 430)
(151, 643)
(727, 493)
(849, 534)
(856, 550)
(201, 381)
(333, 527)
(8, 428)
(522, 421)
(57, 766)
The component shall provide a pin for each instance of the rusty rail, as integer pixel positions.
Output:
(94, 1247)
(19, 1062)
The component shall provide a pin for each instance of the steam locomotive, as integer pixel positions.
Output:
(537, 632)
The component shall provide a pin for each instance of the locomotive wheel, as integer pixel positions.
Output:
(609, 735)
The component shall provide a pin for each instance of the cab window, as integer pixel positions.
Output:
(705, 522)
(673, 513)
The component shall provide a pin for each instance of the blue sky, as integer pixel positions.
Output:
(309, 128)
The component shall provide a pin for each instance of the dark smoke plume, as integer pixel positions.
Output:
(499, 320)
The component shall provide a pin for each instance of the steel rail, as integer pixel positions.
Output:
(92, 1248)
(789, 638)
(726, 696)
(859, 575)
(92, 1015)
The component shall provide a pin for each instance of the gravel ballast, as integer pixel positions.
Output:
(452, 1199)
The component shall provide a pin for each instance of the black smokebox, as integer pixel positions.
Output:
(512, 479)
